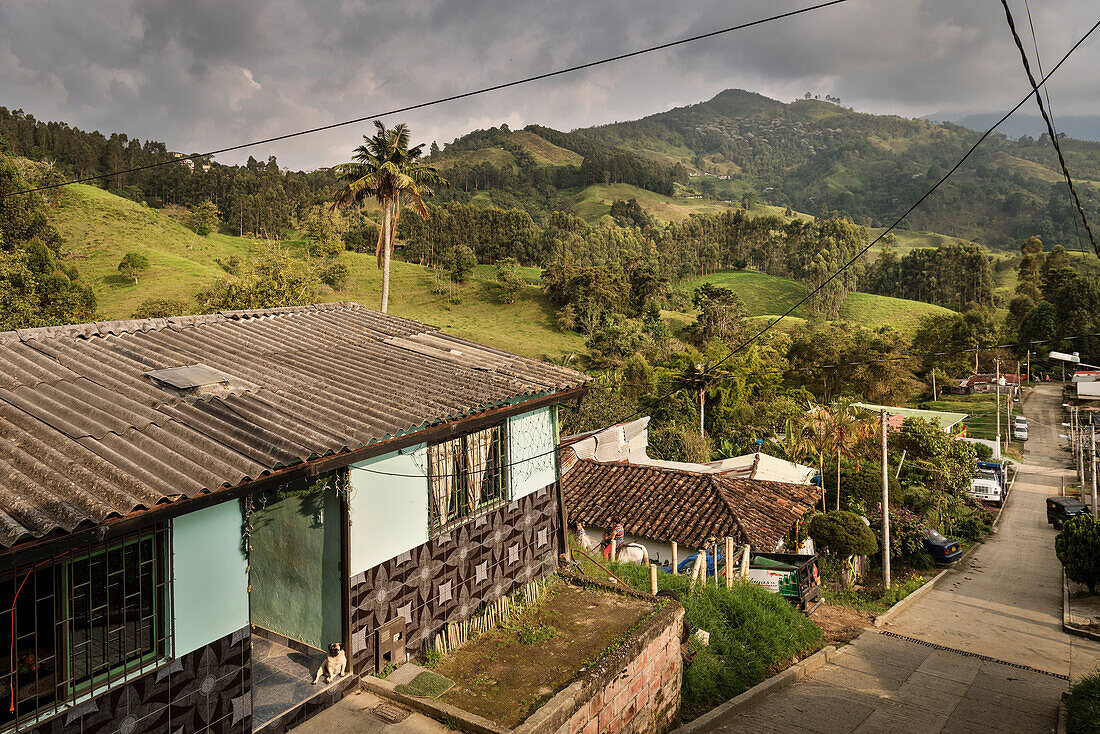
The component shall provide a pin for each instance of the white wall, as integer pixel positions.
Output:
(389, 514)
(210, 589)
(531, 445)
(658, 550)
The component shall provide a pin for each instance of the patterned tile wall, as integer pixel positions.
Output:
(207, 691)
(450, 576)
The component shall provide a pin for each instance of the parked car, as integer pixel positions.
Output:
(1061, 509)
(943, 550)
(1019, 432)
(1020, 421)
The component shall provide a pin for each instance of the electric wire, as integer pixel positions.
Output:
(443, 100)
(1049, 124)
(1050, 107)
(918, 202)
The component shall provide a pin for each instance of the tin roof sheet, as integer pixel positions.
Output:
(86, 434)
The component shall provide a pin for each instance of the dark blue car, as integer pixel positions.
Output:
(942, 549)
(683, 567)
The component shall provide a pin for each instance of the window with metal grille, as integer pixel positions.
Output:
(76, 623)
(466, 476)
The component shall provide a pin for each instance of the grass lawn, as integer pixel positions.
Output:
(99, 228)
(763, 294)
(982, 409)
(505, 674)
(874, 311)
(595, 201)
(753, 634)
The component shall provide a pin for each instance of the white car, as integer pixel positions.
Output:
(1019, 432)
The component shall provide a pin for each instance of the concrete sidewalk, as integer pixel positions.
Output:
(881, 684)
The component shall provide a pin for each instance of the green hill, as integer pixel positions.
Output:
(768, 295)
(99, 228)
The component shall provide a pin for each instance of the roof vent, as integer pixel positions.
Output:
(189, 377)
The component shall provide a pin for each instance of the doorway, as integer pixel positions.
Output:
(295, 593)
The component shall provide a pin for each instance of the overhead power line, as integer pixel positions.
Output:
(917, 203)
(1050, 125)
(443, 100)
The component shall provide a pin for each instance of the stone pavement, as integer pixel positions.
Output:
(1005, 603)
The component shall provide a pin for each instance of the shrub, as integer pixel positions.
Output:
(159, 308)
(1078, 548)
(906, 532)
(334, 273)
(509, 280)
(460, 262)
(204, 218)
(842, 534)
(1083, 706)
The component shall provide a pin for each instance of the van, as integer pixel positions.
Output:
(1062, 509)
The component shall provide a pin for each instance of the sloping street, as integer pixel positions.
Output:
(982, 652)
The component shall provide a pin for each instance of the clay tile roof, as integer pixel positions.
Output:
(683, 506)
(87, 435)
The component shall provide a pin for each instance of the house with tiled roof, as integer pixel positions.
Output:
(607, 474)
(192, 509)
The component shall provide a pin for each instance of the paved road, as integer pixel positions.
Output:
(1004, 604)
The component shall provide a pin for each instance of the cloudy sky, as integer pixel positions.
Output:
(205, 74)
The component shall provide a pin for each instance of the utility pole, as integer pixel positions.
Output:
(998, 384)
(885, 508)
(934, 384)
(1029, 365)
(1092, 453)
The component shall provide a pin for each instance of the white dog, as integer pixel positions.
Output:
(335, 665)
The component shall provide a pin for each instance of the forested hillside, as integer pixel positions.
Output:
(810, 155)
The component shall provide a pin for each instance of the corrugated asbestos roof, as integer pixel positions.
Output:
(86, 435)
(681, 506)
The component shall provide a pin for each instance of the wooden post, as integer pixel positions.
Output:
(675, 558)
(934, 384)
(702, 558)
(614, 550)
(745, 558)
(885, 508)
(653, 579)
(729, 563)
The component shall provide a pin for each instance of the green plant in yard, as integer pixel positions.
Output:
(753, 634)
(1083, 706)
(1078, 548)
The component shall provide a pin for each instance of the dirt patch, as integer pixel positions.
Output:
(841, 624)
(506, 674)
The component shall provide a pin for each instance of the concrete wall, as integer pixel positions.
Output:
(635, 689)
(531, 444)
(389, 509)
(296, 567)
(210, 589)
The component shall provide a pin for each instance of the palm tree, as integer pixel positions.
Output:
(809, 437)
(386, 168)
(847, 431)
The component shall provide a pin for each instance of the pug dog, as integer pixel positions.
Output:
(335, 665)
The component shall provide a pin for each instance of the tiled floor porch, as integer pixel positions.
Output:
(282, 678)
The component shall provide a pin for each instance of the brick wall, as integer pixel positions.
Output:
(633, 690)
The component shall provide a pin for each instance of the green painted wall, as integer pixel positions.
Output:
(210, 588)
(389, 506)
(296, 567)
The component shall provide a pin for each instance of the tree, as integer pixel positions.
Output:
(386, 168)
(204, 218)
(509, 279)
(1028, 271)
(322, 232)
(275, 279)
(1078, 548)
(843, 534)
(159, 308)
(721, 312)
(459, 261)
(132, 264)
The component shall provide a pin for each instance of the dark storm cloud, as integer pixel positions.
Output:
(204, 74)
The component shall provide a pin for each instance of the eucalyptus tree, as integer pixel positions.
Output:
(387, 169)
